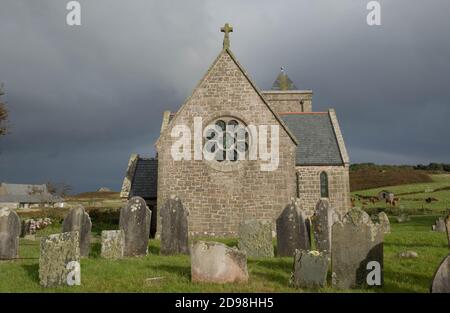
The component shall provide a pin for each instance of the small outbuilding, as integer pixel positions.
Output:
(16, 196)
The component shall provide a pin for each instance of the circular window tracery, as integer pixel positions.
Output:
(227, 140)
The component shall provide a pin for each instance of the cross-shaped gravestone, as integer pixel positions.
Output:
(227, 29)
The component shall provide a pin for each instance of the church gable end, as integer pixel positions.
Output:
(217, 197)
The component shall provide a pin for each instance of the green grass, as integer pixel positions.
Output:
(266, 275)
(412, 196)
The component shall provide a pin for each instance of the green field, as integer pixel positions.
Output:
(413, 196)
(266, 275)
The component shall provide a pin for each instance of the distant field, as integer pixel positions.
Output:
(413, 196)
(374, 176)
(108, 199)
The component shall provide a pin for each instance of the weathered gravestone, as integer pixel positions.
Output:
(310, 269)
(439, 225)
(447, 226)
(213, 262)
(113, 244)
(357, 251)
(135, 223)
(292, 231)
(322, 221)
(78, 220)
(402, 218)
(441, 280)
(255, 238)
(174, 227)
(384, 222)
(9, 234)
(59, 261)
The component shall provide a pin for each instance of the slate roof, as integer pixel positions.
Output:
(317, 140)
(145, 179)
(22, 193)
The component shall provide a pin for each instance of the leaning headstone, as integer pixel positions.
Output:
(78, 220)
(322, 221)
(441, 280)
(59, 261)
(439, 225)
(292, 231)
(174, 227)
(135, 223)
(357, 251)
(9, 234)
(447, 226)
(255, 238)
(113, 244)
(310, 269)
(384, 222)
(213, 262)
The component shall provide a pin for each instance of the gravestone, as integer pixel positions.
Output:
(59, 261)
(439, 225)
(292, 231)
(135, 223)
(255, 238)
(113, 244)
(447, 226)
(402, 218)
(9, 234)
(78, 220)
(384, 222)
(213, 262)
(322, 221)
(441, 280)
(357, 251)
(310, 269)
(174, 227)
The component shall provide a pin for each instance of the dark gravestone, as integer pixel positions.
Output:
(292, 231)
(78, 220)
(9, 234)
(174, 227)
(447, 226)
(135, 223)
(322, 221)
(356, 251)
(310, 269)
(441, 280)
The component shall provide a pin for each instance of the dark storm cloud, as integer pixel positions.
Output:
(83, 98)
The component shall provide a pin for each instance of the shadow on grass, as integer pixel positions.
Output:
(282, 264)
(277, 278)
(32, 271)
(395, 282)
(96, 250)
(179, 270)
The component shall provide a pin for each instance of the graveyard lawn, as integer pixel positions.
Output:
(155, 273)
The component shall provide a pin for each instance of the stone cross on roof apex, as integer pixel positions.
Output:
(226, 39)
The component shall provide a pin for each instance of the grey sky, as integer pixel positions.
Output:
(82, 99)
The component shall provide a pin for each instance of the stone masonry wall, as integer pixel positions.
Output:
(220, 196)
(338, 186)
(289, 100)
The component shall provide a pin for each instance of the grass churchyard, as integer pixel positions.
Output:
(156, 272)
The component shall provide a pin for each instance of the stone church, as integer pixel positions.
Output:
(312, 163)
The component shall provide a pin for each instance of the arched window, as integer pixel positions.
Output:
(323, 185)
(228, 139)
